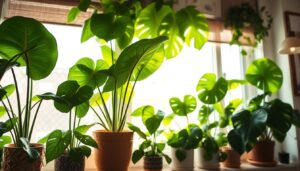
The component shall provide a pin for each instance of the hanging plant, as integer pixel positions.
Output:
(244, 16)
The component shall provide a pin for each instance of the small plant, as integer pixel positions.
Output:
(262, 119)
(73, 99)
(149, 147)
(24, 43)
(4, 139)
(189, 137)
(240, 17)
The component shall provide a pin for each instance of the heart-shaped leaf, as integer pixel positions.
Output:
(86, 72)
(26, 36)
(137, 130)
(85, 139)
(265, 75)
(153, 123)
(183, 108)
(76, 154)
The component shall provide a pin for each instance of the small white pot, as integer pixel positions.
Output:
(204, 164)
(186, 165)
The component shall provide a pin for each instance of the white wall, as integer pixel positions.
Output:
(271, 46)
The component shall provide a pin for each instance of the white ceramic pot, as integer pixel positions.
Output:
(186, 165)
(204, 164)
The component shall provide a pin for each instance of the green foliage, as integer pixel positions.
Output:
(24, 42)
(152, 122)
(183, 108)
(265, 75)
(210, 89)
(240, 17)
(29, 40)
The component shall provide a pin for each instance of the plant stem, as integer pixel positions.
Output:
(34, 119)
(16, 137)
(104, 105)
(28, 98)
(18, 101)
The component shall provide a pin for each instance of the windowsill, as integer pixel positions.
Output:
(245, 166)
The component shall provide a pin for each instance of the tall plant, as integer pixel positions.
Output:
(25, 43)
(117, 80)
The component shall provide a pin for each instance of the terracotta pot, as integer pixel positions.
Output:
(153, 163)
(114, 151)
(232, 159)
(186, 165)
(64, 163)
(212, 164)
(16, 159)
(262, 154)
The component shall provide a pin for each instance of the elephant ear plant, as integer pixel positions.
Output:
(150, 147)
(263, 119)
(24, 43)
(72, 99)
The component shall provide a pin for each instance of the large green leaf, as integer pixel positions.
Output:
(132, 61)
(137, 155)
(183, 108)
(7, 91)
(169, 27)
(204, 114)
(265, 75)
(108, 55)
(30, 37)
(72, 95)
(125, 39)
(193, 26)
(150, 20)
(57, 143)
(83, 128)
(210, 89)
(6, 65)
(86, 72)
(82, 109)
(279, 118)
(108, 26)
(236, 142)
(249, 125)
(97, 100)
(86, 33)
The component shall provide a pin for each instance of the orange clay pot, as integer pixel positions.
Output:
(262, 154)
(233, 158)
(114, 152)
(16, 159)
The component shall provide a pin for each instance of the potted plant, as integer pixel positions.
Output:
(232, 157)
(211, 91)
(65, 147)
(25, 43)
(115, 78)
(257, 125)
(187, 139)
(244, 16)
(150, 148)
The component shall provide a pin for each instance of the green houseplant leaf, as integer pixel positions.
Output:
(28, 37)
(265, 75)
(169, 27)
(108, 26)
(86, 72)
(132, 61)
(149, 21)
(193, 26)
(57, 143)
(77, 153)
(183, 108)
(85, 139)
(210, 89)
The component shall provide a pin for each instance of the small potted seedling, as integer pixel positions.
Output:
(150, 148)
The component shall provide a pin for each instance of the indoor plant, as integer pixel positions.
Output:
(4, 139)
(244, 16)
(66, 146)
(112, 78)
(257, 125)
(211, 91)
(124, 20)
(187, 139)
(24, 42)
(150, 148)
